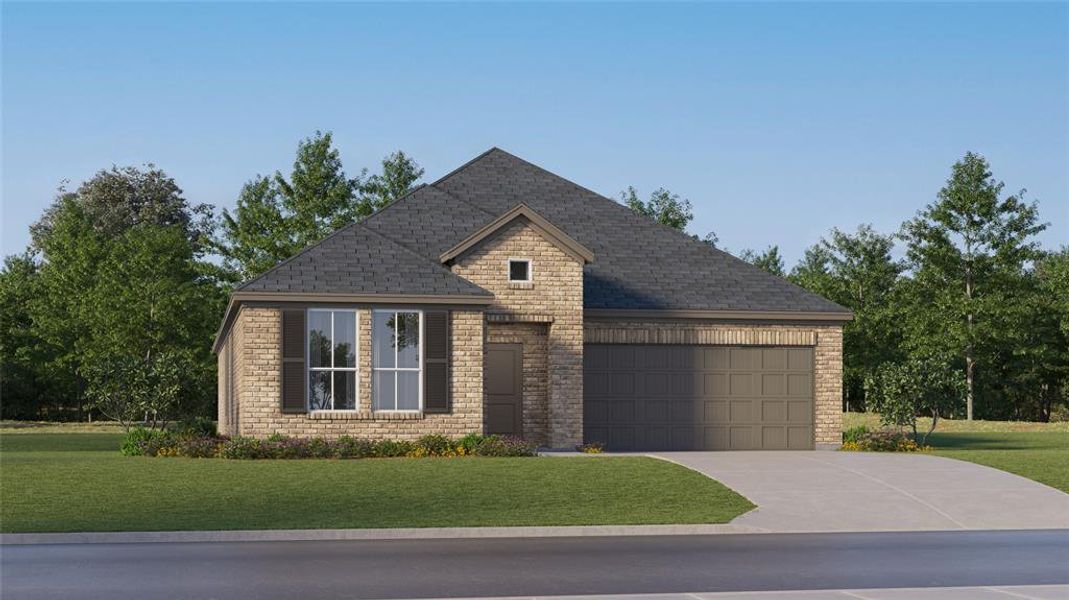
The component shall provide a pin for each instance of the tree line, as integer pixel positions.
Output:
(111, 310)
(964, 284)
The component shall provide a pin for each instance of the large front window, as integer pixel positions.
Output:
(332, 359)
(396, 360)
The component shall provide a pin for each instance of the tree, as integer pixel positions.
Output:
(902, 391)
(123, 197)
(966, 253)
(857, 271)
(769, 260)
(276, 217)
(150, 304)
(399, 173)
(663, 207)
(96, 272)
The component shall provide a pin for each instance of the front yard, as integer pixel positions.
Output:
(1038, 451)
(79, 482)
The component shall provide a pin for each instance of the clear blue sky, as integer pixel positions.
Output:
(778, 121)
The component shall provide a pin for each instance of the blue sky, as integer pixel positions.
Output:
(778, 121)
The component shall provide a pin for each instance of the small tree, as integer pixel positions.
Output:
(663, 206)
(131, 389)
(918, 386)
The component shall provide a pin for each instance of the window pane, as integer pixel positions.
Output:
(318, 338)
(319, 390)
(344, 338)
(518, 270)
(407, 390)
(382, 339)
(344, 390)
(383, 390)
(408, 340)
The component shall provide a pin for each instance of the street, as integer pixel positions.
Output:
(528, 567)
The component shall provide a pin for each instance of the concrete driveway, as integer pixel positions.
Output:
(856, 491)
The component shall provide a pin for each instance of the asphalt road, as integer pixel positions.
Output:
(544, 566)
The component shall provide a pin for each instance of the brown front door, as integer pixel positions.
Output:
(502, 381)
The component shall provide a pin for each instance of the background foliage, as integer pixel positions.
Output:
(125, 281)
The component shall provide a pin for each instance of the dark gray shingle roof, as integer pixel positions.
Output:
(637, 264)
(356, 260)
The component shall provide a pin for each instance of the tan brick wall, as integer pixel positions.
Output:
(534, 337)
(256, 336)
(826, 340)
(554, 296)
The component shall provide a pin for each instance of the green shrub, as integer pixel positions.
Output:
(435, 445)
(469, 444)
(854, 434)
(241, 448)
(884, 440)
(391, 448)
(139, 440)
(350, 447)
(496, 445)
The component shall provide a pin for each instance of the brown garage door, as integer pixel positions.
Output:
(663, 397)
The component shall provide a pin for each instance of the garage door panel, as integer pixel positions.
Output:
(799, 438)
(655, 384)
(656, 411)
(773, 438)
(773, 411)
(799, 359)
(657, 397)
(799, 384)
(773, 359)
(799, 411)
(773, 384)
(741, 384)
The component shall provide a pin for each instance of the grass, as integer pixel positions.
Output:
(53, 482)
(1038, 451)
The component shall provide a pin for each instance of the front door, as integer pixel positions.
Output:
(503, 385)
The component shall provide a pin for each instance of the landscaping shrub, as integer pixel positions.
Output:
(195, 427)
(146, 442)
(854, 434)
(591, 448)
(884, 440)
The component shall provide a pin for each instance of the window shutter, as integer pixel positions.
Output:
(294, 373)
(436, 354)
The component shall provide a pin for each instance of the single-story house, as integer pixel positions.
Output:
(505, 299)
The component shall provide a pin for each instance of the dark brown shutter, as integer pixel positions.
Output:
(436, 361)
(294, 384)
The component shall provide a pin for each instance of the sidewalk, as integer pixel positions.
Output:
(1017, 592)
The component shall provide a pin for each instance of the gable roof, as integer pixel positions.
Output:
(642, 268)
(358, 261)
(641, 265)
(547, 230)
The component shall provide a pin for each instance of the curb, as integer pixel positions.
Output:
(430, 533)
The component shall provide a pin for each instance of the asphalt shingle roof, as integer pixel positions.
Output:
(638, 264)
(356, 260)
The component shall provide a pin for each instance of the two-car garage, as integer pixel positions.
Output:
(698, 397)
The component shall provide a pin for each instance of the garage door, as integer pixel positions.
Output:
(662, 397)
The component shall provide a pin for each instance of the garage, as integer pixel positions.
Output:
(698, 397)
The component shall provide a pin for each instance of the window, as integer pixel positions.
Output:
(332, 359)
(396, 360)
(519, 269)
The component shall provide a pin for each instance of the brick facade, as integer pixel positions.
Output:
(256, 339)
(553, 298)
(826, 340)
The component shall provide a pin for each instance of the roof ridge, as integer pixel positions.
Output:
(379, 210)
(461, 200)
(465, 165)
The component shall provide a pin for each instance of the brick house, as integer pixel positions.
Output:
(505, 299)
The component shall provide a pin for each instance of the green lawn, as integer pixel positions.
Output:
(79, 482)
(1038, 451)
